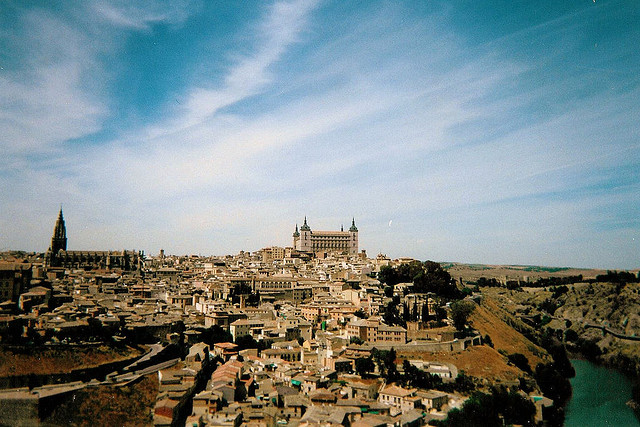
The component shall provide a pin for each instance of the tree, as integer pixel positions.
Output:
(364, 365)
(391, 314)
(520, 361)
(496, 409)
(426, 276)
(415, 377)
(552, 383)
(390, 366)
(215, 334)
(460, 312)
(388, 275)
(356, 340)
(360, 313)
(433, 278)
(246, 341)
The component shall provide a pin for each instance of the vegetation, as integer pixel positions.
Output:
(361, 314)
(520, 361)
(386, 362)
(618, 277)
(499, 408)
(216, 334)
(364, 366)
(131, 405)
(60, 359)
(426, 276)
(356, 340)
(391, 314)
(415, 377)
(460, 312)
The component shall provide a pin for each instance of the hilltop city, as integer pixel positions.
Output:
(316, 333)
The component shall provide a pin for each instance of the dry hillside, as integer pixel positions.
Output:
(500, 325)
(131, 405)
(59, 359)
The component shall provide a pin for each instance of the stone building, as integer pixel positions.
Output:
(306, 240)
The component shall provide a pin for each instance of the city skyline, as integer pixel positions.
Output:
(481, 132)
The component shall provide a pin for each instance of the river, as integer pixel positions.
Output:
(599, 397)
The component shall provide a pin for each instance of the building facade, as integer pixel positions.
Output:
(306, 240)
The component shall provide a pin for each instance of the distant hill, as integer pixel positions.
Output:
(472, 272)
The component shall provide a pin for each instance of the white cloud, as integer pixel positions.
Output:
(141, 14)
(45, 99)
(447, 144)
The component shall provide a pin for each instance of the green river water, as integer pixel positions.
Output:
(599, 397)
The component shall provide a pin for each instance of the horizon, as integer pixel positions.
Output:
(494, 133)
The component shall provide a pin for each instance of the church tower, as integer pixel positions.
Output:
(353, 238)
(59, 239)
(58, 242)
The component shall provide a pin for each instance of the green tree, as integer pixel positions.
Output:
(460, 312)
(216, 334)
(356, 340)
(361, 314)
(520, 361)
(364, 365)
(246, 341)
(388, 291)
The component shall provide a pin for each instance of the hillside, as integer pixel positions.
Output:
(130, 405)
(502, 327)
(54, 360)
(483, 361)
(472, 272)
(604, 304)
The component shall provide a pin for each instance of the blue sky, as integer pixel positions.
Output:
(502, 132)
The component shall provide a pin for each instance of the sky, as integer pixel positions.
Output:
(498, 132)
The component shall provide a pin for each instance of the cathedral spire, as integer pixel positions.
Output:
(59, 239)
(353, 227)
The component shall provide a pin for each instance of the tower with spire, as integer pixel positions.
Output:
(58, 241)
(353, 237)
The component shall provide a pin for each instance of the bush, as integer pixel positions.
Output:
(520, 361)
(496, 409)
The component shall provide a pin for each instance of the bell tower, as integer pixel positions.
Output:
(353, 238)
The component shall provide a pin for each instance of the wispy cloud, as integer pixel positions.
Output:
(249, 74)
(141, 15)
(45, 98)
(476, 153)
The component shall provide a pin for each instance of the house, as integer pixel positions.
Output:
(225, 350)
(398, 397)
(432, 399)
